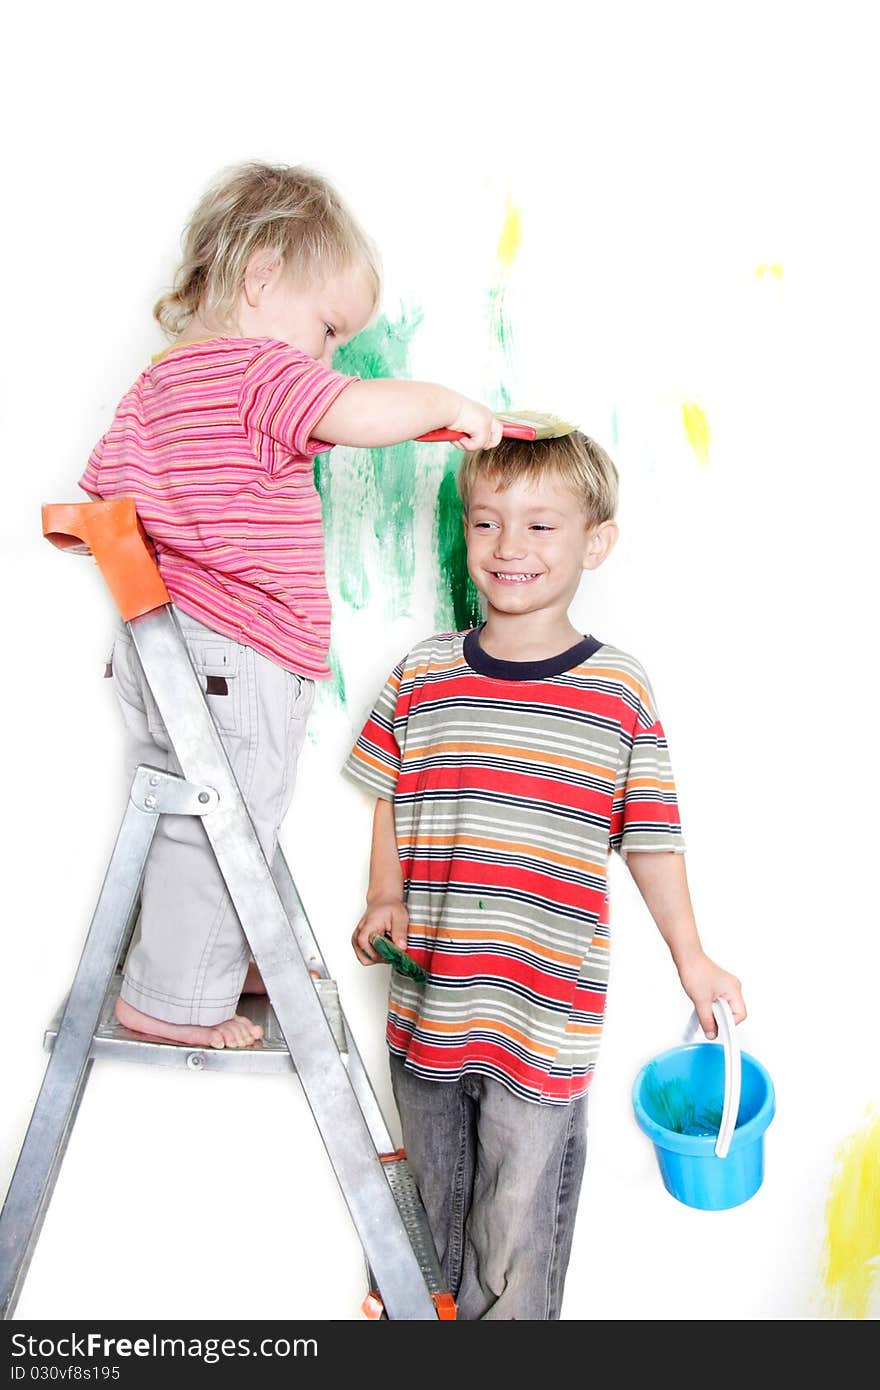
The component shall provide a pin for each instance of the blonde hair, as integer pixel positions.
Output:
(291, 212)
(577, 461)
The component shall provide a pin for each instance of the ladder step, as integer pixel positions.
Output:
(409, 1204)
(269, 1055)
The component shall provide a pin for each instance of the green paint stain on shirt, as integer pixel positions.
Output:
(458, 600)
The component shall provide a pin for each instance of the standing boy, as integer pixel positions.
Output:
(508, 761)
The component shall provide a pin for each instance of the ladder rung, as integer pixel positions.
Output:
(403, 1186)
(270, 1055)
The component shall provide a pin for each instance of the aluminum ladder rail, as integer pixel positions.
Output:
(376, 1183)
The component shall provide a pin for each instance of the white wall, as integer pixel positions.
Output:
(659, 155)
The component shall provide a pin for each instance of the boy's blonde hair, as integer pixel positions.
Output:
(291, 212)
(576, 460)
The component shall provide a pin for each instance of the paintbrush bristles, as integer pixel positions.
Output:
(545, 426)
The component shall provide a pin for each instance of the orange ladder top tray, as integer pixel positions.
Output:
(110, 531)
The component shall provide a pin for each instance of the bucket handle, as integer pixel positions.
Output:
(732, 1070)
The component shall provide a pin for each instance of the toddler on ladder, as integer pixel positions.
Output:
(215, 442)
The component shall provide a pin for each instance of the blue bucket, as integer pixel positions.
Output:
(685, 1101)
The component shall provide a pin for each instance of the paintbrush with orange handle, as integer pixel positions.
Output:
(517, 424)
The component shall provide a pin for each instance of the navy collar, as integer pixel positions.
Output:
(486, 665)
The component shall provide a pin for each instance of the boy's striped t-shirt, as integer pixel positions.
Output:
(213, 442)
(511, 782)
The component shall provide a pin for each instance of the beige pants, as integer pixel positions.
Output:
(189, 960)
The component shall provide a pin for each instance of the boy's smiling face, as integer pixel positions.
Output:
(529, 543)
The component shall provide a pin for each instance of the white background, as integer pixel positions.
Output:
(659, 155)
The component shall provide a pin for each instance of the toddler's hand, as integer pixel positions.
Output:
(481, 428)
(703, 981)
(388, 919)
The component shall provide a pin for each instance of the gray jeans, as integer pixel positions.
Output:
(500, 1179)
(189, 959)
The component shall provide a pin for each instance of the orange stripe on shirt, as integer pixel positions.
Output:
(501, 750)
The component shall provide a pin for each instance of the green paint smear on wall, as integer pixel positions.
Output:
(322, 475)
(459, 604)
(344, 487)
(499, 327)
(499, 322)
(382, 349)
(458, 601)
(337, 679)
(382, 483)
(376, 484)
(329, 693)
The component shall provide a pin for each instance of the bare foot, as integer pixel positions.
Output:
(253, 981)
(232, 1032)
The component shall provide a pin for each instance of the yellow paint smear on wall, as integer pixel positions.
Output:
(852, 1222)
(511, 234)
(696, 427)
(774, 268)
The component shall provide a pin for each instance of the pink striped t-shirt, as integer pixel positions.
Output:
(213, 443)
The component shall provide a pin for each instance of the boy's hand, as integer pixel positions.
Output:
(703, 981)
(388, 919)
(481, 428)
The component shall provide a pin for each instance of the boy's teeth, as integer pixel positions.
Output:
(517, 578)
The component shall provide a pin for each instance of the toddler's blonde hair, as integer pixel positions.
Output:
(577, 461)
(289, 211)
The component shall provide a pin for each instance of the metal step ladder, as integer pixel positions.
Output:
(305, 1029)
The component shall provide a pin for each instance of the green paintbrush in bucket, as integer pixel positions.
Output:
(672, 1104)
(707, 1160)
